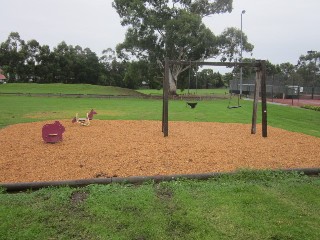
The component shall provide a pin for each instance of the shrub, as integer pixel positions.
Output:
(315, 108)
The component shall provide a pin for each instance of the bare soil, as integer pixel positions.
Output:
(138, 148)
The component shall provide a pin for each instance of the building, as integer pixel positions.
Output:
(2, 77)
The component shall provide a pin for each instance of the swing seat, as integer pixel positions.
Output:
(192, 104)
(233, 107)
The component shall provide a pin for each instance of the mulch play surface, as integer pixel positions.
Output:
(138, 148)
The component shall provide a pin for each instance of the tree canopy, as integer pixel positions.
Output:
(175, 29)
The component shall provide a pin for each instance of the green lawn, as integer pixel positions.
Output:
(248, 205)
(16, 109)
(64, 89)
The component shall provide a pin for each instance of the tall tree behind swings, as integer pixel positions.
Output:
(170, 28)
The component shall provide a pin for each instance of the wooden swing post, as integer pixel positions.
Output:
(165, 110)
(260, 82)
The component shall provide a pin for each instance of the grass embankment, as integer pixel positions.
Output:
(57, 88)
(248, 205)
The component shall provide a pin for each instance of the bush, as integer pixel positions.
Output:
(315, 108)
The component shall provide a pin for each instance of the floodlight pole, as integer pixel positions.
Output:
(241, 47)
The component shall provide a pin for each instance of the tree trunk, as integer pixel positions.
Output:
(174, 72)
(173, 82)
(173, 79)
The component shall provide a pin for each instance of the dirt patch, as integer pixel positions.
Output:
(138, 148)
(78, 197)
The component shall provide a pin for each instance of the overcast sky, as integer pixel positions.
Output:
(280, 30)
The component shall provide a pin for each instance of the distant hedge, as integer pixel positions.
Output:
(315, 108)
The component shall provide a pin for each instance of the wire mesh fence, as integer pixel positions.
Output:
(280, 86)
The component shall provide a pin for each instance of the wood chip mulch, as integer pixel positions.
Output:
(138, 148)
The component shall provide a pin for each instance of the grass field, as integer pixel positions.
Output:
(64, 89)
(247, 205)
(16, 109)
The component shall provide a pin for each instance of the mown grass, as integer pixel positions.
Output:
(247, 205)
(17, 109)
(58, 88)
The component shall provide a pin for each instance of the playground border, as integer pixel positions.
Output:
(16, 187)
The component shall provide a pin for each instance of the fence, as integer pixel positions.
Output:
(279, 86)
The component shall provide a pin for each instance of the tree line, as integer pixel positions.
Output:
(155, 30)
(29, 61)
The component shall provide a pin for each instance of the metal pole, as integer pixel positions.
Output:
(243, 12)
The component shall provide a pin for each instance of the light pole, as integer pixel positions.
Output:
(243, 12)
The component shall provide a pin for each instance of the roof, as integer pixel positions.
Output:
(2, 77)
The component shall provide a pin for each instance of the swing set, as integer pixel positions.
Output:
(259, 65)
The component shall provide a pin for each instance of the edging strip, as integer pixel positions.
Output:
(15, 187)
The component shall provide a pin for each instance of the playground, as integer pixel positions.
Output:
(124, 148)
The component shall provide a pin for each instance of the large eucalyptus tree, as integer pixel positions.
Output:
(174, 29)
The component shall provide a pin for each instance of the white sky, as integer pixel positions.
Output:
(280, 30)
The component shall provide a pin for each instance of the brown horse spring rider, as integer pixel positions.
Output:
(84, 121)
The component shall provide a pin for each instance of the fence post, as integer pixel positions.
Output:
(312, 92)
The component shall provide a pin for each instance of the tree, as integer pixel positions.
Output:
(85, 67)
(209, 79)
(12, 57)
(272, 69)
(288, 71)
(309, 67)
(113, 70)
(173, 29)
(230, 44)
(31, 52)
